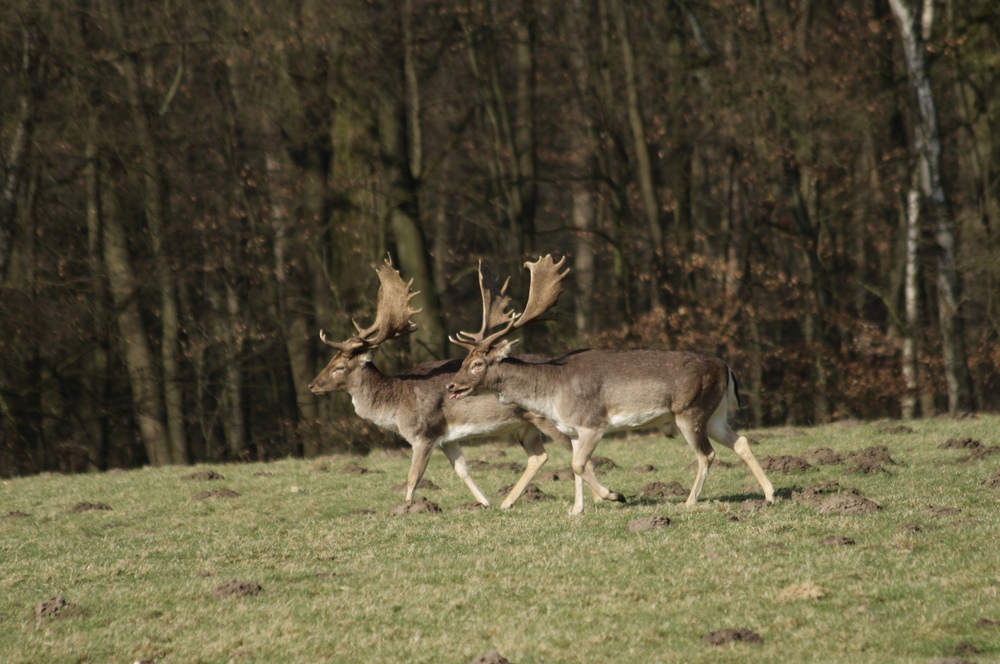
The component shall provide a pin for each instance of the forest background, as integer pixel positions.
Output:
(809, 190)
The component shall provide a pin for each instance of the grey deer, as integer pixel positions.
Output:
(414, 404)
(590, 392)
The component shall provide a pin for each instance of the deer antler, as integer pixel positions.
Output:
(543, 294)
(545, 289)
(495, 303)
(392, 314)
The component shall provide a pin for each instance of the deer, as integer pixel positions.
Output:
(413, 404)
(590, 392)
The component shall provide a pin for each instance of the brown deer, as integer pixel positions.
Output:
(587, 393)
(414, 404)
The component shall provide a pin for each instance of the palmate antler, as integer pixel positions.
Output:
(543, 294)
(392, 314)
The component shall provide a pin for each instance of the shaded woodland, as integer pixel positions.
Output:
(190, 191)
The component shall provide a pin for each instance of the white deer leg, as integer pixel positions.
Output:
(719, 430)
(418, 464)
(583, 448)
(532, 443)
(695, 436)
(454, 453)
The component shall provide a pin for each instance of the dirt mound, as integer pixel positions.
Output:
(960, 444)
(468, 507)
(869, 460)
(215, 493)
(492, 657)
(531, 492)
(418, 506)
(848, 503)
(422, 484)
(992, 482)
(940, 511)
(979, 453)
(816, 493)
(264, 473)
(717, 464)
(896, 430)
(661, 490)
(478, 464)
(236, 587)
(561, 475)
(724, 636)
(204, 476)
(57, 607)
(643, 469)
(754, 504)
(494, 453)
(16, 514)
(648, 523)
(784, 464)
(822, 456)
(355, 469)
(511, 466)
(876, 454)
(837, 540)
(86, 507)
(603, 463)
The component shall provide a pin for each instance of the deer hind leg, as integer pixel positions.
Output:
(531, 441)
(719, 430)
(454, 453)
(694, 434)
(583, 447)
(418, 464)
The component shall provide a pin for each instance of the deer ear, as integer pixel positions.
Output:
(502, 349)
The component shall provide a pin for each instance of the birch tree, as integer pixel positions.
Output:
(927, 146)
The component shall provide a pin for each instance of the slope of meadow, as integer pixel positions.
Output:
(882, 547)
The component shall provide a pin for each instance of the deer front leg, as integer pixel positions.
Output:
(583, 447)
(533, 447)
(457, 459)
(418, 464)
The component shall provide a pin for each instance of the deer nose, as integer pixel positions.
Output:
(450, 387)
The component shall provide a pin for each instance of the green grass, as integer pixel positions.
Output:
(532, 583)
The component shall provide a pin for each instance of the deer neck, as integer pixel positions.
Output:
(529, 385)
(376, 397)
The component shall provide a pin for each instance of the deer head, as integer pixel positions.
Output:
(485, 350)
(392, 321)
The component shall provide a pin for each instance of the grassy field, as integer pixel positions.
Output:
(342, 580)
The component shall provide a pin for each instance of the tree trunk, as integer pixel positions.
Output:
(402, 207)
(294, 323)
(644, 168)
(927, 145)
(147, 398)
(908, 404)
(19, 146)
(99, 375)
(156, 215)
(524, 127)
